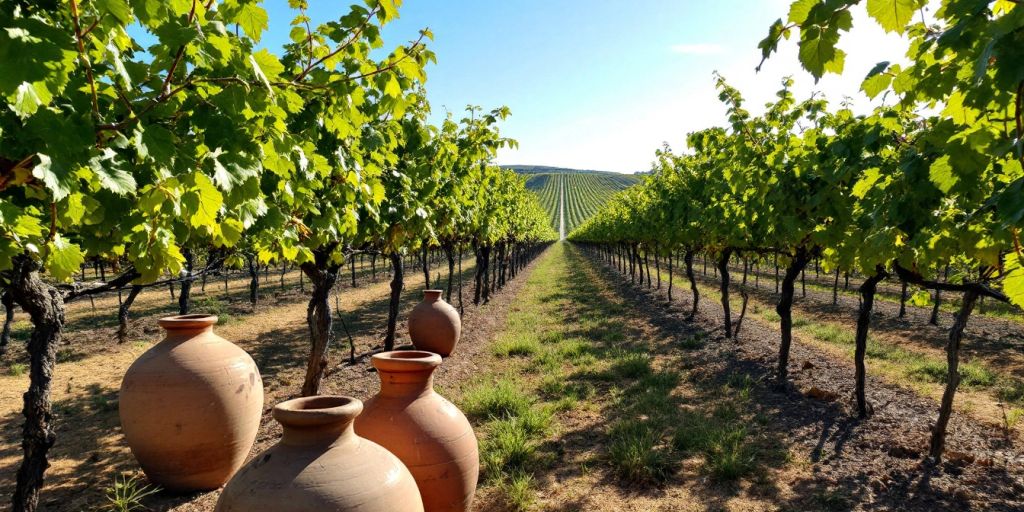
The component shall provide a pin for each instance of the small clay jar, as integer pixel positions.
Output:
(434, 325)
(429, 434)
(321, 464)
(190, 406)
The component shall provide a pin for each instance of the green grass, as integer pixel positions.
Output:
(520, 345)
(498, 400)
(721, 438)
(126, 494)
(508, 448)
(518, 492)
(17, 369)
(636, 452)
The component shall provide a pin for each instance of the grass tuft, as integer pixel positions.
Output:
(517, 492)
(520, 345)
(506, 449)
(632, 365)
(498, 400)
(636, 453)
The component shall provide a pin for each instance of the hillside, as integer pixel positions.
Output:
(585, 190)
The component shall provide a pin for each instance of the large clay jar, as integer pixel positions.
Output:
(429, 434)
(434, 325)
(320, 464)
(191, 405)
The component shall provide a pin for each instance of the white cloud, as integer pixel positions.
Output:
(698, 49)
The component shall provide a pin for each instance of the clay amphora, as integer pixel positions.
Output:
(434, 325)
(320, 464)
(429, 434)
(190, 406)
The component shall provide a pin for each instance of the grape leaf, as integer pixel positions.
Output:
(893, 15)
(1013, 283)
(63, 258)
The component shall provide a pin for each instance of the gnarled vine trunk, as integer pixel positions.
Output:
(938, 441)
(785, 309)
(397, 282)
(45, 306)
(7, 299)
(185, 296)
(688, 260)
(450, 254)
(122, 313)
(867, 302)
(254, 280)
(322, 275)
(723, 272)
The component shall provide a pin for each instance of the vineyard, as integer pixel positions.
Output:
(243, 275)
(585, 192)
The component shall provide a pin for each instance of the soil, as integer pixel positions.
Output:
(875, 463)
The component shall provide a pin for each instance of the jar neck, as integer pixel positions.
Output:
(406, 384)
(185, 334)
(319, 435)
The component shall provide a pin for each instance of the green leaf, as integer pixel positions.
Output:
(53, 175)
(63, 258)
(266, 66)
(203, 201)
(893, 15)
(1013, 283)
(921, 298)
(118, 8)
(941, 174)
(107, 167)
(799, 9)
(861, 188)
(231, 231)
(253, 20)
(27, 100)
(877, 80)
(818, 50)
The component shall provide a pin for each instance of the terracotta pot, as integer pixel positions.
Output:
(429, 434)
(191, 405)
(321, 464)
(434, 325)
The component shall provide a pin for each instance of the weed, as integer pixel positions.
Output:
(502, 399)
(16, 369)
(1013, 417)
(632, 365)
(536, 420)
(125, 495)
(67, 354)
(521, 345)
(518, 492)
(573, 349)
(507, 448)
(720, 438)
(692, 342)
(552, 385)
(210, 305)
(971, 374)
(636, 453)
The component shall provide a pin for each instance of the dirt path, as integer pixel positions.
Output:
(588, 404)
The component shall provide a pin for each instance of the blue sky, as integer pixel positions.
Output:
(601, 84)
